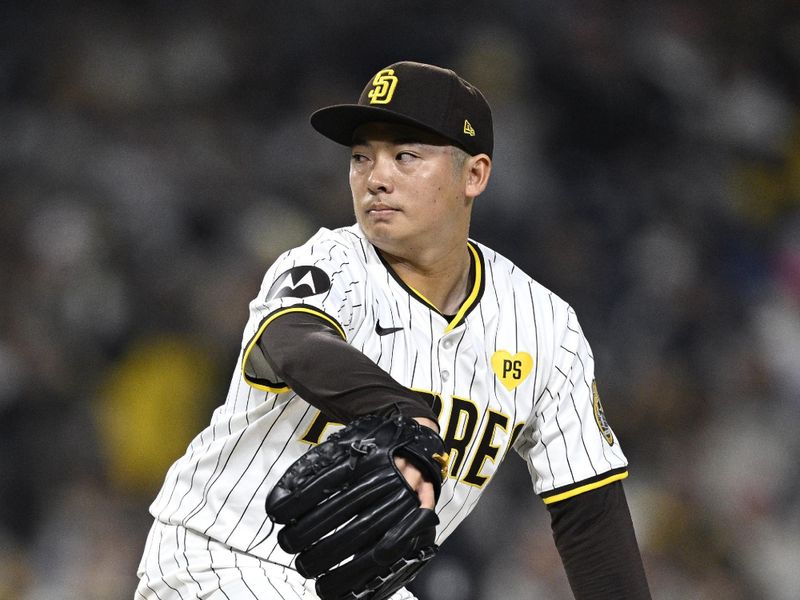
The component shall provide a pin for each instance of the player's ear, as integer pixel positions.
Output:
(478, 169)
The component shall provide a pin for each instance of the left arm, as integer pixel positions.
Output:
(594, 535)
(578, 468)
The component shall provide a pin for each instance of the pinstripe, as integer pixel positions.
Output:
(216, 572)
(161, 568)
(564, 439)
(154, 592)
(174, 486)
(589, 394)
(392, 345)
(394, 311)
(547, 457)
(376, 319)
(148, 546)
(489, 269)
(186, 494)
(552, 319)
(186, 558)
(537, 366)
(408, 301)
(236, 396)
(414, 370)
(276, 590)
(517, 347)
(363, 246)
(583, 438)
(241, 576)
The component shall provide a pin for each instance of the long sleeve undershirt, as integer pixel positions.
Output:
(595, 538)
(311, 357)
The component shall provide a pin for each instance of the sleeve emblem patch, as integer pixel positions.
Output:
(300, 282)
(600, 416)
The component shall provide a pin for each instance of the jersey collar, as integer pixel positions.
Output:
(477, 275)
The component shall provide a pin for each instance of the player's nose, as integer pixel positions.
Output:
(379, 179)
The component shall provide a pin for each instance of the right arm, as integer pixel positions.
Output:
(309, 355)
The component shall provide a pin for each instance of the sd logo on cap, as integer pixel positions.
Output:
(383, 90)
(420, 95)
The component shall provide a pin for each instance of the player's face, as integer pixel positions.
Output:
(409, 192)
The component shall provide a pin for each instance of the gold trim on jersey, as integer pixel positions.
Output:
(472, 299)
(280, 387)
(588, 486)
(421, 296)
(475, 293)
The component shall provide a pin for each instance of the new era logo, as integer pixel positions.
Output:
(468, 129)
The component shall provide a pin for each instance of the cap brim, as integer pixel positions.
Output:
(339, 122)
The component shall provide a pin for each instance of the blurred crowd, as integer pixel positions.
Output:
(155, 157)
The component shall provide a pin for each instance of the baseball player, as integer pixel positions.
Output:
(400, 314)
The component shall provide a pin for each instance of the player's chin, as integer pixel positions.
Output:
(383, 237)
(381, 226)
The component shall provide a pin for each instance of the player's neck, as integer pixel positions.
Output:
(442, 282)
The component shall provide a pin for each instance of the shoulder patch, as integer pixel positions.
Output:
(600, 416)
(300, 282)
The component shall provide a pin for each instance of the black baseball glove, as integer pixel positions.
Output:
(349, 513)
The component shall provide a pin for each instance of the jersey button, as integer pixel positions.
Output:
(445, 375)
(447, 344)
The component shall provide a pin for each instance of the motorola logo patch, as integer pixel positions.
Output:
(300, 282)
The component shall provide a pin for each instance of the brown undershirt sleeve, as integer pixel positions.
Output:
(310, 356)
(595, 538)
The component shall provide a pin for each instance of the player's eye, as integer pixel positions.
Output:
(405, 156)
(357, 158)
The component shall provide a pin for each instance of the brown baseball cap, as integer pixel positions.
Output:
(417, 94)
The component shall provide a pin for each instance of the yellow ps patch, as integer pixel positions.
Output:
(511, 370)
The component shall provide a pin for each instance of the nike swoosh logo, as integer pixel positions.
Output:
(386, 330)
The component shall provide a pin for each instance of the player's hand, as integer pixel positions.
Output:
(347, 512)
(424, 489)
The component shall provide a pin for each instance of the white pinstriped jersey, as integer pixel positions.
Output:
(511, 369)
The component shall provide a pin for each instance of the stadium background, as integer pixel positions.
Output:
(155, 157)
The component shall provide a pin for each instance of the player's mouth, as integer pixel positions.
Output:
(380, 210)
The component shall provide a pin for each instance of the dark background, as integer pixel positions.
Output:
(155, 157)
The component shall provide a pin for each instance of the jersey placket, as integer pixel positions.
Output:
(447, 346)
